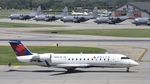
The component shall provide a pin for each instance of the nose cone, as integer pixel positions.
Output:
(133, 63)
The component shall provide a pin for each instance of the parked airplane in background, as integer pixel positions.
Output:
(71, 61)
(20, 17)
(15, 16)
(43, 17)
(25, 16)
(141, 21)
(111, 20)
(81, 18)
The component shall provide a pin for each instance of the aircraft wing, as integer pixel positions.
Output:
(72, 65)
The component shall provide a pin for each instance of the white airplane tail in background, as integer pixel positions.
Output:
(65, 11)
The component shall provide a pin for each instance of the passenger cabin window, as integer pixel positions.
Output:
(125, 58)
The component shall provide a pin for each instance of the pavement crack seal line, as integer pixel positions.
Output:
(142, 55)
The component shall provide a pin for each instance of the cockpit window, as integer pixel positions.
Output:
(125, 58)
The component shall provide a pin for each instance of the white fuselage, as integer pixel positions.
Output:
(79, 60)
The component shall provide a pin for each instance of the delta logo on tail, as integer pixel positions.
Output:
(19, 48)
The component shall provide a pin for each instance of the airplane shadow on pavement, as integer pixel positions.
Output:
(66, 72)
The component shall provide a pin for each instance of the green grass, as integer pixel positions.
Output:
(105, 32)
(7, 55)
(24, 25)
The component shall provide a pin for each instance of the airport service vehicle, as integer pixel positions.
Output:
(142, 21)
(79, 13)
(71, 61)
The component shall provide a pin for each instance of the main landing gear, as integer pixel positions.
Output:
(127, 70)
(71, 70)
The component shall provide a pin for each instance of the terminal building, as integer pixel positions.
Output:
(134, 10)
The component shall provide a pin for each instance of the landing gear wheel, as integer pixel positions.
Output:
(71, 70)
(127, 69)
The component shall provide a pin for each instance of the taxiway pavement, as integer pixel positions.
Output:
(39, 75)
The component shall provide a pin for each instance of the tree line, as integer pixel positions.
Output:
(59, 4)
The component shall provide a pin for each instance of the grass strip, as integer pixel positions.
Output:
(25, 25)
(104, 32)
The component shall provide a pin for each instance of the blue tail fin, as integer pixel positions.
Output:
(19, 48)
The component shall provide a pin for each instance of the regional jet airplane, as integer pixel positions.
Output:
(71, 61)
